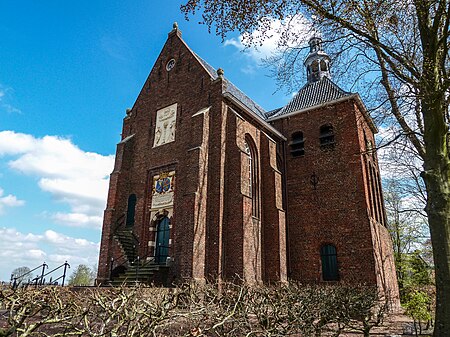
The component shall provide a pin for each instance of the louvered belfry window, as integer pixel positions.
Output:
(297, 144)
(326, 136)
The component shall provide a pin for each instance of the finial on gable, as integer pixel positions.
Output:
(175, 30)
(220, 72)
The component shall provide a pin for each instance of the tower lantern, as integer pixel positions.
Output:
(317, 62)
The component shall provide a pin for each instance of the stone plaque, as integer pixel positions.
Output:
(165, 125)
(162, 190)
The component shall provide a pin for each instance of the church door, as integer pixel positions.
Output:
(162, 240)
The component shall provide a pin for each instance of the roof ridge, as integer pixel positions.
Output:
(312, 94)
(233, 89)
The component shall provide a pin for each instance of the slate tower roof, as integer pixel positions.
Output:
(319, 89)
(312, 94)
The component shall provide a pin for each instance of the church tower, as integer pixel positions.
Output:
(335, 217)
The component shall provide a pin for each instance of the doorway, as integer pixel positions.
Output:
(162, 240)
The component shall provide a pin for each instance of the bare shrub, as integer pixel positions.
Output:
(192, 309)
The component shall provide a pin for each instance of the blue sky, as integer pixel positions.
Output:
(68, 71)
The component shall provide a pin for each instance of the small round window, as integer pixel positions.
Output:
(170, 65)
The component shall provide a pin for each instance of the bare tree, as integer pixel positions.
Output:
(21, 274)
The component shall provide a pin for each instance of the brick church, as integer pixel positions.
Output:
(209, 185)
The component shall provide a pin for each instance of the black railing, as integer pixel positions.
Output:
(123, 261)
(16, 280)
(118, 223)
(63, 276)
(39, 280)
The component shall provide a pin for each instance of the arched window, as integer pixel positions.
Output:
(297, 144)
(328, 255)
(315, 67)
(253, 175)
(249, 164)
(326, 136)
(131, 209)
(323, 65)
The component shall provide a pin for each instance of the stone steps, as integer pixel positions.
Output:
(144, 274)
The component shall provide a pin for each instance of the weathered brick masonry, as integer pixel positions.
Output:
(209, 184)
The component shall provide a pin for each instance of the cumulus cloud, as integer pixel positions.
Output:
(70, 174)
(78, 219)
(26, 249)
(281, 34)
(9, 201)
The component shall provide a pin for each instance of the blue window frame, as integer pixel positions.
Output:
(330, 270)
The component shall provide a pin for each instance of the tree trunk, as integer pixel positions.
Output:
(436, 176)
(438, 210)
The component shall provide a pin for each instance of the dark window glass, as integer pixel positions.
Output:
(297, 144)
(162, 240)
(330, 270)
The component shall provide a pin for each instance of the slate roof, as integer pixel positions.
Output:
(312, 94)
(230, 88)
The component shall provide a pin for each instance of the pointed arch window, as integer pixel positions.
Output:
(131, 210)
(253, 175)
(297, 144)
(326, 136)
(330, 270)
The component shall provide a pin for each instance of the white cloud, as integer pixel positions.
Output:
(19, 249)
(4, 98)
(78, 220)
(71, 175)
(9, 201)
(281, 34)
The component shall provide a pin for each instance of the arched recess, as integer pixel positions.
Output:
(253, 174)
(131, 210)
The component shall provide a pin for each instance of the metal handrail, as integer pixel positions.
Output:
(120, 221)
(65, 265)
(15, 284)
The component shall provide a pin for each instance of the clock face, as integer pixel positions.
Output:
(170, 64)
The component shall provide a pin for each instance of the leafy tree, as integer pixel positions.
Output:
(408, 231)
(19, 272)
(402, 49)
(82, 276)
(417, 306)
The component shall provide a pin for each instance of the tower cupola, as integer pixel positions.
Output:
(317, 62)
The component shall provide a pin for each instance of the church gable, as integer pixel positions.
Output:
(177, 68)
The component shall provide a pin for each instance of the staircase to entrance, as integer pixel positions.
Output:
(131, 270)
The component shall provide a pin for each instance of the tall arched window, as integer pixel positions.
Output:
(249, 165)
(131, 209)
(326, 136)
(253, 175)
(330, 270)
